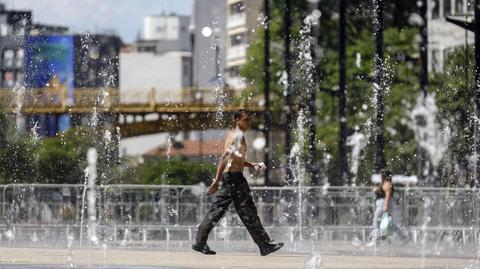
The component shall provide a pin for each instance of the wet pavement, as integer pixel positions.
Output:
(42, 258)
(52, 266)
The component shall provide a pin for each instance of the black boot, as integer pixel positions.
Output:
(203, 248)
(270, 248)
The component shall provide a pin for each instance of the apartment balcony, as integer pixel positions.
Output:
(237, 52)
(236, 20)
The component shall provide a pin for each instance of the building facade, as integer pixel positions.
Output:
(96, 61)
(157, 67)
(166, 33)
(242, 23)
(145, 73)
(444, 36)
(69, 62)
(14, 26)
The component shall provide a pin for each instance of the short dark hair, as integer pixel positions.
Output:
(238, 114)
(386, 175)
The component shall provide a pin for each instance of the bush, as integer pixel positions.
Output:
(57, 164)
(175, 172)
(18, 161)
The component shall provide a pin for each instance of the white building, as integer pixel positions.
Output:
(242, 23)
(159, 63)
(444, 36)
(166, 74)
(169, 32)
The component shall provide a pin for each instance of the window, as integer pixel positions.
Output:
(8, 56)
(19, 58)
(435, 9)
(469, 6)
(447, 7)
(237, 8)
(237, 39)
(234, 71)
(459, 7)
(185, 67)
(435, 60)
(4, 29)
(19, 30)
(20, 78)
(186, 75)
(92, 77)
(8, 79)
(144, 48)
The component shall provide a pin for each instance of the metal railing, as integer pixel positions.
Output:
(44, 204)
(83, 100)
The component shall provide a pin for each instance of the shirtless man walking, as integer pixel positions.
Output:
(233, 187)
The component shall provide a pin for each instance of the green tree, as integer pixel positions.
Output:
(401, 54)
(174, 172)
(4, 124)
(455, 90)
(62, 159)
(18, 161)
(17, 152)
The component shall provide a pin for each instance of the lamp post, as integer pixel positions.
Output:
(312, 96)
(477, 92)
(288, 89)
(424, 47)
(266, 73)
(379, 86)
(341, 97)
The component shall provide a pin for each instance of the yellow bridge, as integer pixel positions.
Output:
(133, 118)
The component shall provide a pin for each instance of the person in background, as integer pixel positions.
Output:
(384, 203)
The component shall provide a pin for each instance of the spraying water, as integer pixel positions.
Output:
(169, 146)
(428, 132)
(82, 212)
(92, 211)
(298, 164)
(357, 142)
(17, 104)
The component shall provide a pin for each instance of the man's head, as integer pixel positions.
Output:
(243, 119)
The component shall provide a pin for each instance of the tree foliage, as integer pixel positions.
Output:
(455, 90)
(176, 172)
(402, 64)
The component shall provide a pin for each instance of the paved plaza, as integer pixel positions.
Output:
(43, 258)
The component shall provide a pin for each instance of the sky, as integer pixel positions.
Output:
(125, 17)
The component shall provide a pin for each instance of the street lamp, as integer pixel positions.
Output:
(341, 95)
(288, 89)
(379, 86)
(477, 91)
(266, 111)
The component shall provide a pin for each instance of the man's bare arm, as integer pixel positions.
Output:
(387, 188)
(221, 166)
(249, 164)
(218, 176)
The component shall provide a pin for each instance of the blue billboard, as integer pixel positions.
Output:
(49, 60)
